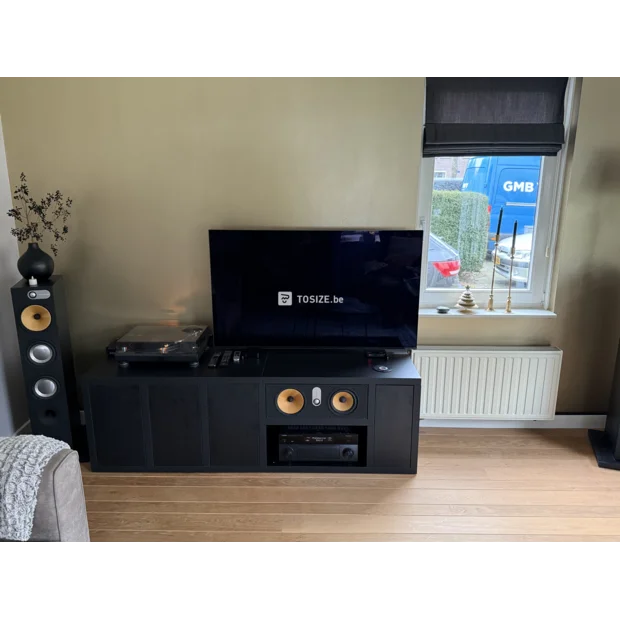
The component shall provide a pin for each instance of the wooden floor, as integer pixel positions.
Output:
(473, 485)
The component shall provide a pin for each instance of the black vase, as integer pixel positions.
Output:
(35, 263)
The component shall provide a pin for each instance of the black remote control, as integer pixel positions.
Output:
(225, 358)
(215, 358)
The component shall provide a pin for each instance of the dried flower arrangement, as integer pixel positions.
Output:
(48, 214)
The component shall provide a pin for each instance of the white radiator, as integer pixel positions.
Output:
(489, 383)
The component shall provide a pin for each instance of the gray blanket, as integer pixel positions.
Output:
(22, 461)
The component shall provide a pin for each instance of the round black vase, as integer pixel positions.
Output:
(35, 263)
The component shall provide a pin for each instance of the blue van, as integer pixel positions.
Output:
(511, 183)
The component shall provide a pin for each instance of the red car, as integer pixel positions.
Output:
(444, 264)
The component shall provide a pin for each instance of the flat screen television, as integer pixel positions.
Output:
(315, 288)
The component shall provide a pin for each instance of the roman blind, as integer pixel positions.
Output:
(494, 116)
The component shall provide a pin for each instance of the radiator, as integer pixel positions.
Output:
(490, 383)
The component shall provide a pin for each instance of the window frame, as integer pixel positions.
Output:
(537, 296)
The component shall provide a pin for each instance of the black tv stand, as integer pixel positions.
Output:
(337, 412)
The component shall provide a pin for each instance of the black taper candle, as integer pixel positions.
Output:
(514, 237)
(499, 224)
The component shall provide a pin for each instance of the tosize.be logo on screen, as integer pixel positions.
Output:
(285, 298)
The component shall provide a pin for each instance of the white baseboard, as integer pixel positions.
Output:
(560, 421)
(24, 429)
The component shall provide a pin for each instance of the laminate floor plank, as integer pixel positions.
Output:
(352, 482)
(347, 495)
(300, 508)
(100, 535)
(359, 524)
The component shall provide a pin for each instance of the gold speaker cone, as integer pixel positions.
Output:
(343, 402)
(290, 401)
(36, 318)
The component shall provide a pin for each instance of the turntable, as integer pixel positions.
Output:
(162, 343)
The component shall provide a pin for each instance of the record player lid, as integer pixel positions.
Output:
(163, 333)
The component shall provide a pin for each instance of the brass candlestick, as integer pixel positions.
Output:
(509, 300)
(490, 307)
(512, 259)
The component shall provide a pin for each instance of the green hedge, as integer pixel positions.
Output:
(461, 219)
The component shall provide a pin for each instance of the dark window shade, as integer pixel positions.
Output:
(494, 116)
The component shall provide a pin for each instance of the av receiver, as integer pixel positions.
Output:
(320, 446)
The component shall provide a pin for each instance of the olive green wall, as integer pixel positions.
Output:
(152, 164)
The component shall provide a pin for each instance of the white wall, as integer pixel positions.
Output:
(13, 409)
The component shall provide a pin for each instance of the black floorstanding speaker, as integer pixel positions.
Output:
(47, 361)
(606, 444)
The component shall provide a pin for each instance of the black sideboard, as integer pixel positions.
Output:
(152, 417)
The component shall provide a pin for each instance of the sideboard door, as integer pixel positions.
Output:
(234, 424)
(176, 424)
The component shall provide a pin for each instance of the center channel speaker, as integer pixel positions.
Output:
(47, 361)
(316, 400)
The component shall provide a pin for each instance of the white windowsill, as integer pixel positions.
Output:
(523, 313)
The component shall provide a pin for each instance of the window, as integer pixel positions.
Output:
(461, 199)
(462, 220)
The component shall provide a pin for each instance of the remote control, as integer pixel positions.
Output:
(215, 358)
(226, 358)
(237, 357)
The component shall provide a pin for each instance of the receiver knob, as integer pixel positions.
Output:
(288, 452)
(348, 453)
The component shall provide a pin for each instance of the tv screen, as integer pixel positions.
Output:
(315, 288)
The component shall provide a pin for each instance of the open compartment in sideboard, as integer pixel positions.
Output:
(317, 445)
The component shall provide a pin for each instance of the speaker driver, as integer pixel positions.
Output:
(36, 318)
(45, 388)
(40, 353)
(290, 401)
(343, 402)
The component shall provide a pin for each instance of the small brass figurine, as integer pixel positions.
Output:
(466, 301)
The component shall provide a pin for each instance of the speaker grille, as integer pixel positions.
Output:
(290, 401)
(343, 402)
(36, 318)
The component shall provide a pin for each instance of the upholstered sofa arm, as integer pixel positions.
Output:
(60, 515)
